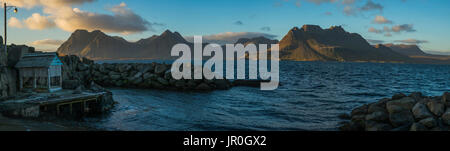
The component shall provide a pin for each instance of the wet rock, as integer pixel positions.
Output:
(360, 110)
(161, 68)
(163, 81)
(344, 116)
(180, 84)
(446, 99)
(375, 126)
(398, 119)
(359, 121)
(83, 67)
(379, 116)
(402, 128)
(377, 107)
(96, 88)
(168, 75)
(418, 127)
(203, 87)
(436, 107)
(124, 68)
(398, 96)
(421, 111)
(349, 126)
(115, 76)
(446, 117)
(401, 105)
(428, 122)
(418, 96)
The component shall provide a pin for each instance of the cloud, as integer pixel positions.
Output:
(374, 30)
(370, 5)
(230, 37)
(412, 41)
(351, 10)
(51, 42)
(239, 23)
(394, 29)
(381, 20)
(266, 28)
(14, 22)
(62, 14)
(372, 41)
(122, 21)
(38, 22)
(46, 3)
(318, 2)
(403, 28)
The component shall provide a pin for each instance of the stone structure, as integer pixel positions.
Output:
(402, 113)
(83, 71)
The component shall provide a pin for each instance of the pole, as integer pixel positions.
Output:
(6, 45)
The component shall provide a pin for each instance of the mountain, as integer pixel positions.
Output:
(257, 41)
(98, 45)
(413, 51)
(312, 43)
(408, 50)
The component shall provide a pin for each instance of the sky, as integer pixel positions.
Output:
(45, 24)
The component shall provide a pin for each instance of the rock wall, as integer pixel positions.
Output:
(402, 113)
(83, 71)
(8, 74)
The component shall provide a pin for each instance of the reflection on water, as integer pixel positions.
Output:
(313, 94)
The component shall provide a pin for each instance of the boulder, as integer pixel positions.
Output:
(429, 122)
(418, 96)
(359, 121)
(436, 107)
(377, 107)
(362, 110)
(348, 126)
(83, 67)
(379, 116)
(168, 75)
(191, 84)
(163, 81)
(401, 118)
(203, 87)
(115, 76)
(157, 85)
(418, 127)
(446, 99)
(160, 68)
(222, 84)
(180, 84)
(375, 126)
(344, 116)
(398, 96)
(446, 117)
(421, 111)
(401, 105)
(124, 68)
(138, 75)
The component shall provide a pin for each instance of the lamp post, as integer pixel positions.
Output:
(6, 24)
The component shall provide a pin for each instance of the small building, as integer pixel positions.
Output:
(40, 72)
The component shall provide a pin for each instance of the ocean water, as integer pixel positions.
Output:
(311, 97)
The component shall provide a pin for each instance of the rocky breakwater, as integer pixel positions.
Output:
(132, 75)
(402, 113)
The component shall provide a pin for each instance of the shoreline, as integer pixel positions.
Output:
(414, 112)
